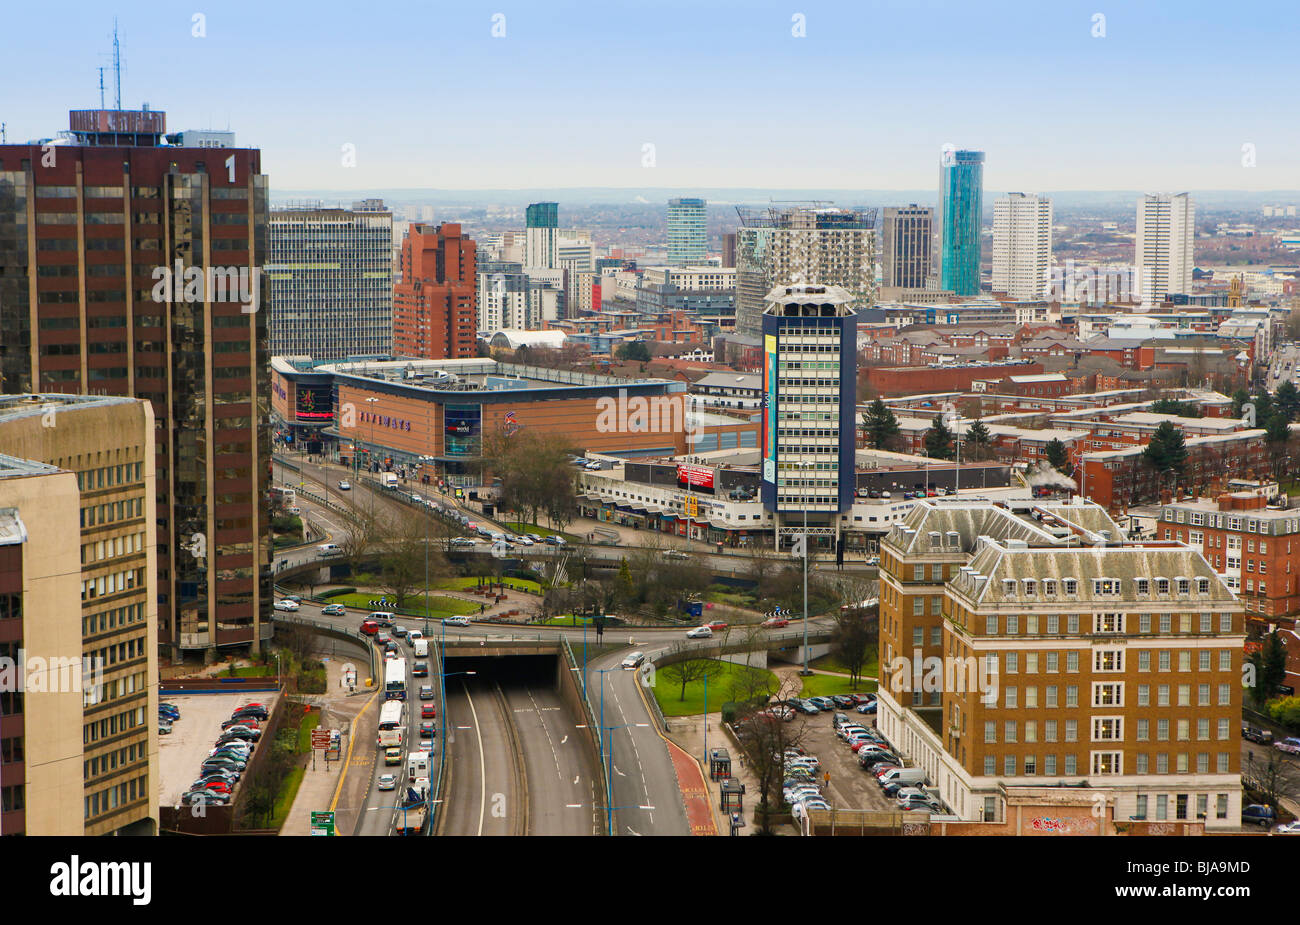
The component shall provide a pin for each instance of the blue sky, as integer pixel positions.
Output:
(724, 92)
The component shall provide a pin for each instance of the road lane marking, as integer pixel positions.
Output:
(482, 769)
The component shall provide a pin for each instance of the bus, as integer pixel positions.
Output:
(284, 497)
(392, 723)
(395, 679)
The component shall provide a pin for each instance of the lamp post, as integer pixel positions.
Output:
(805, 465)
(609, 770)
(356, 462)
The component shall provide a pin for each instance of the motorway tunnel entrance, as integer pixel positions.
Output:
(524, 670)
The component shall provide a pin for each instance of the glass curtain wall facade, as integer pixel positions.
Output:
(961, 203)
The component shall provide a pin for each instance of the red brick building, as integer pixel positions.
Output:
(912, 379)
(435, 310)
(1252, 543)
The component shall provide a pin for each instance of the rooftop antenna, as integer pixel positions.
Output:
(117, 68)
(101, 88)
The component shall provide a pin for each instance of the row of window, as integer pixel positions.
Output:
(112, 725)
(111, 761)
(1105, 729)
(1103, 623)
(97, 623)
(112, 511)
(120, 795)
(107, 549)
(1028, 587)
(1106, 763)
(112, 583)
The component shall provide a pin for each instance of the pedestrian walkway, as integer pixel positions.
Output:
(316, 792)
(695, 792)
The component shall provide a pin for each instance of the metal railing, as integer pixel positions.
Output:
(278, 616)
(593, 724)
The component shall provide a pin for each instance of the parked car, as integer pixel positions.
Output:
(863, 698)
(334, 610)
(700, 632)
(807, 706)
(1255, 734)
(844, 700)
(867, 709)
(164, 729)
(1258, 814)
(1291, 746)
(824, 704)
(1290, 828)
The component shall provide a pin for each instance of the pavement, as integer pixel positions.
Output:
(320, 783)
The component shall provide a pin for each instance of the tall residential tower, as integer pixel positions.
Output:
(688, 237)
(1022, 244)
(1163, 249)
(961, 201)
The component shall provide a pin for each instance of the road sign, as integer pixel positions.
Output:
(320, 738)
(692, 506)
(322, 823)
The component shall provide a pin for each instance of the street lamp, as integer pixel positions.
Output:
(805, 465)
(356, 462)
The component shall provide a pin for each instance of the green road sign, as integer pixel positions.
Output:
(322, 823)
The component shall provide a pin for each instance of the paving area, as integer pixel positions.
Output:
(194, 735)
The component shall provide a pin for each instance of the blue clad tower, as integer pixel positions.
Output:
(961, 201)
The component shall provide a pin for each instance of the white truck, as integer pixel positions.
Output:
(388, 479)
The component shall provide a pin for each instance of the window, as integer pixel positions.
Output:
(990, 768)
(1071, 730)
(1106, 762)
(1143, 730)
(1072, 661)
(1009, 731)
(1144, 661)
(1012, 696)
(990, 733)
(1053, 624)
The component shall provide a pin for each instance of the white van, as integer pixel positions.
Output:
(906, 777)
(421, 647)
(325, 550)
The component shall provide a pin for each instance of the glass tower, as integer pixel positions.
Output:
(961, 195)
(687, 232)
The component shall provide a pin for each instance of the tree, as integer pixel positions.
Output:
(1287, 400)
(403, 561)
(1276, 436)
(1239, 399)
(854, 639)
(362, 533)
(534, 473)
(763, 739)
(1057, 456)
(938, 441)
(1167, 451)
(635, 350)
(1180, 409)
(691, 670)
(880, 425)
(978, 442)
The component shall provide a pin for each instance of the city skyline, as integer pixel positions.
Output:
(1064, 75)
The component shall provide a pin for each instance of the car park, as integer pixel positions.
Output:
(633, 660)
(334, 610)
(700, 632)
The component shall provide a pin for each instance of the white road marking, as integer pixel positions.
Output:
(482, 768)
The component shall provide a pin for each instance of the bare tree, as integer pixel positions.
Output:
(364, 534)
(854, 639)
(764, 737)
(406, 558)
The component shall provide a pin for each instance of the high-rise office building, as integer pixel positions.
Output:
(809, 243)
(103, 446)
(329, 281)
(809, 402)
(503, 297)
(729, 249)
(1163, 248)
(132, 268)
(541, 230)
(688, 235)
(906, 237)
(961, 201)
(434, 304)
(1026, 645)
(1022, 244)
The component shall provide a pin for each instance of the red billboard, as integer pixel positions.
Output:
(700, 476)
